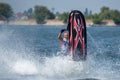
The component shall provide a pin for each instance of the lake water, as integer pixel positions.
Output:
(31, 53)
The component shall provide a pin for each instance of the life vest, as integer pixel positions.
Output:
(65, 46)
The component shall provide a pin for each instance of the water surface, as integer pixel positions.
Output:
(31, 53)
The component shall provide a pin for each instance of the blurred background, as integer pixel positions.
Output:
(54, 12)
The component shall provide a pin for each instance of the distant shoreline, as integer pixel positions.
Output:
(56, 25)
(55, 22)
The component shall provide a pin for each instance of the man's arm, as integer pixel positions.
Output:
(60, 37)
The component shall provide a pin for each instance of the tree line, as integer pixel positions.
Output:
(105, 14)
(41, 13)
(6, 11)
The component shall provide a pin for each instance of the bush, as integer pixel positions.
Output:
(115, 15)
(6, 11)
(41, 13)
(96, 19)
(63, 17)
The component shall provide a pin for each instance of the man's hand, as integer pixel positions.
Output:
(63, 30)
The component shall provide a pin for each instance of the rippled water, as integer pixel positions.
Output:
(31, 53)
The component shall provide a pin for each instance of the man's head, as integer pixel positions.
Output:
(66, 35)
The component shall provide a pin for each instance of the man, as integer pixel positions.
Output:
(64, 42)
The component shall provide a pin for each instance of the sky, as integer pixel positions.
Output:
(64, 5)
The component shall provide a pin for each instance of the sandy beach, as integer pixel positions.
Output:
(55, 22)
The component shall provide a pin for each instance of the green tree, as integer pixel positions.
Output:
(96, 19)
(105, 13)
(41, 13)
(115, 15)
(64, 17)
(6, 11)
(51, 15)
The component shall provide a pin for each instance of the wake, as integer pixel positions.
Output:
(55, 67)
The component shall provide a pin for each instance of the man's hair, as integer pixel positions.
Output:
(66, 32)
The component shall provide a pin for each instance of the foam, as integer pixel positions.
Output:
(24, 67)
(61, 67)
